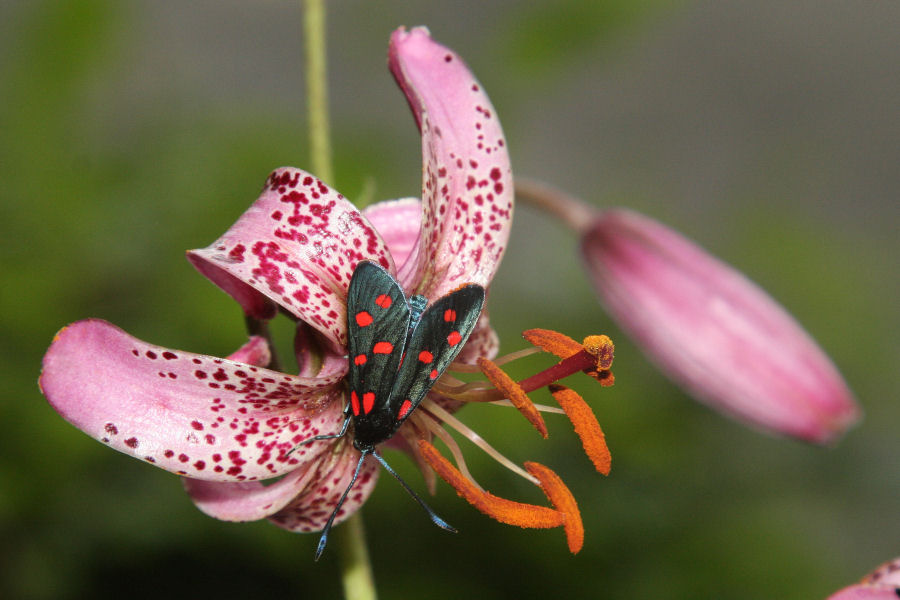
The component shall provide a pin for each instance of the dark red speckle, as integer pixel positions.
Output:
(197, 425)
(183, 457)
(169, 355)
(237, 253)
(111, 429)
(131, 442)
(169, 453)
(151, 354)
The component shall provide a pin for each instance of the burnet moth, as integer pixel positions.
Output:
(398, 347)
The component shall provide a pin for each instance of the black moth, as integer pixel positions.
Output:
(398, 348)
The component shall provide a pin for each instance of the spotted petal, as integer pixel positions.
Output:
(191, 414)
(467, 182)
(297, 498)
(296, 246)
(310, 510)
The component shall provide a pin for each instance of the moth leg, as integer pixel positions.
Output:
(431, 514)
(332, 436)
(324, 539)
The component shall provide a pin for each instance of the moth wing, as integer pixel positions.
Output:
(377, 324)
(437, 339)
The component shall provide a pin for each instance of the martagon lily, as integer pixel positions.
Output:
(228, 424)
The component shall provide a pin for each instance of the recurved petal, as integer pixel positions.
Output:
(310, 509)
(467, 182)
(194, 415)
(251, 500)
(713, 331)
(296, 246)
(398, 222)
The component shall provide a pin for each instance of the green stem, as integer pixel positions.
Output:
(317, 90)
(356, 567)
(356, 570)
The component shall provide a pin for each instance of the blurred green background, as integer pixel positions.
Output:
(767, 131)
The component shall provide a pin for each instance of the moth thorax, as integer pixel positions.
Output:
(417, 306)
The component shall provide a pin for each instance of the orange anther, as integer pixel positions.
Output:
(514, 392)
(561, 498)
(586, 426)
(553, 342)
(500, 509)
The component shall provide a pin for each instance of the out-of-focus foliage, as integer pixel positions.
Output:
(130, 132)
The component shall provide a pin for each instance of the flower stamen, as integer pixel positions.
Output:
(499, 509)
(435, 409)
(514, 393)
(594, 357)
(432, 426)
(586, 426)
(561, 498)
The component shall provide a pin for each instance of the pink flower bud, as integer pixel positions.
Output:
(713, 331)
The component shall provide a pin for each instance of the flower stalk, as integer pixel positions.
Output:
(356, 565)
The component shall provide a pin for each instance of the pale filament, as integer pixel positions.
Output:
(506, 358)
(451, 387)
(541, 407)
(476, 439)
(431, 425)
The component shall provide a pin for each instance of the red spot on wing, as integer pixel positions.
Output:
(363, 319)
(382, 348)
(360, 359)
(404, 409)
(384, 301)
(433, 374)
(454, 338)
(449, 315)
(354, 403)
(425, 356)
(368, 402)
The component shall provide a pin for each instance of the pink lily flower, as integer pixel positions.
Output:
(881, 584)
(706, 326)
(225, 424)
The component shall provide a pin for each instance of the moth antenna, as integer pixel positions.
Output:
(324, 539)
(431, 514)
(332, 436)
